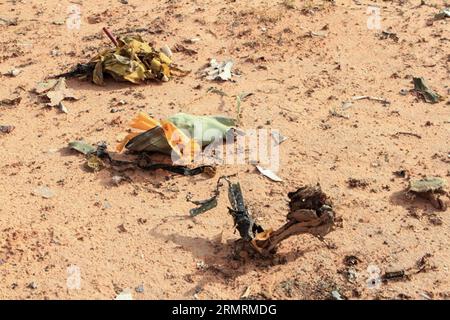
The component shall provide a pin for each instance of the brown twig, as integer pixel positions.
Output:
(407, 134)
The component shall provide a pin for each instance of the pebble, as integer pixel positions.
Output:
(32, 285)
(14, 72)
(140, 288)
(44, 192)
(107, 205)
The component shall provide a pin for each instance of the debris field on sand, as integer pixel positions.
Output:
(242, 150)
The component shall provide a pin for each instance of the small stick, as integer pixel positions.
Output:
(382, 100)
(407, 134)
(110, 36)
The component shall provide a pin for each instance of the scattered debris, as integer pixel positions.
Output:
(217, 91)
(429, 188)
(424, 92)
(121, 228)
(246, 293)
(63, 108)
(402, 173)
(140, 288)
(320, 33)
(94, 163)
(124, 295)
(310, 212)
(167, 136)
(289, 4)
(55, 91)
(183, 49)
(6, 129)
(166, 50)
(278, 138)
(106, 205)
(208, 204)
(116, 180)
(269, 174)
(412, 134)
(336, 295)
(44, 192)
(337, 114)
(82, 147)
(347, 104)
(13, 72)
(203, 205)
(357, 183)
(8, 21)
(425, 296)
(389, 35)
(14, 100)
(444, 13)
(191, 40)
(394, 275)
(100, 158)
(404, 92)
(424, 264)
(32, 285)
(218, 70)
(201, 265)
(131, 60)
(351, 260)
(239, 98)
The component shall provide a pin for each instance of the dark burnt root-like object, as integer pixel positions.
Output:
(243, 221)
(310, 212)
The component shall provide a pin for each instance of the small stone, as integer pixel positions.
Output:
(32, 285)
(63, 108)
(140, 288)
(117, 180)
(44, 192)
(55, 53)
(201, 265)
(166, 50)
(6, 129)
(122, 228)
(336, 295)
(191, 40)
(14, 72)
(107, 205)
(404, 92)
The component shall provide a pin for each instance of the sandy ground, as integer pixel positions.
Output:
(298, 80)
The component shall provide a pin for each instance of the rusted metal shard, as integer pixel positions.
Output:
(244, 223)
(110, 36)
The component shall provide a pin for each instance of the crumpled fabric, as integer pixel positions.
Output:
(182, 133)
